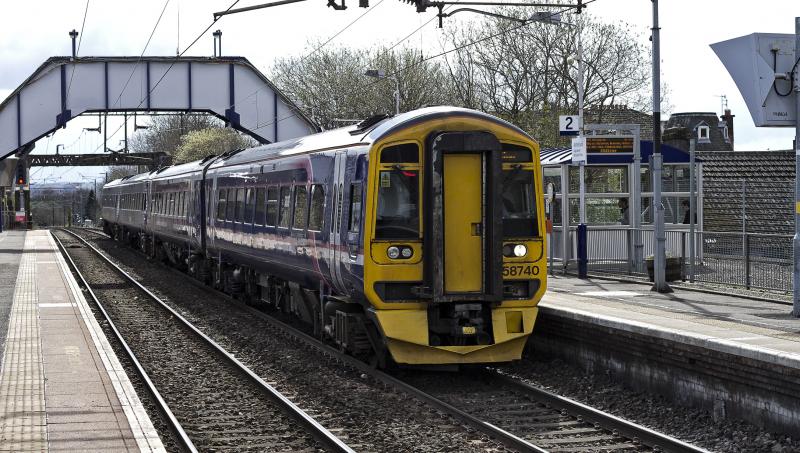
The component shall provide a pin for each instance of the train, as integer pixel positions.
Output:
(413, 239)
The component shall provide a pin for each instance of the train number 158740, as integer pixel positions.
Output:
(520, 270)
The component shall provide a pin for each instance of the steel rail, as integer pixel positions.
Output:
(624, 427)
(175, 425)
(327, 438)
(508, 439)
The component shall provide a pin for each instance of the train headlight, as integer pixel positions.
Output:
(393, 252)
(520, 250)
(406, 252)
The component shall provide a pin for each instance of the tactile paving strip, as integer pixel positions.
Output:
(22, 409)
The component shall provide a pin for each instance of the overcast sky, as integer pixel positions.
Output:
(32, 31)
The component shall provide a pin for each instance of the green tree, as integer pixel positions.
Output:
(165, 132)
(204, 142)
(90, 206)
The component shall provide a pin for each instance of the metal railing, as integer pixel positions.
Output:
(751, 260)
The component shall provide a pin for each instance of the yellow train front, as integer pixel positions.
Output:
(453, 234)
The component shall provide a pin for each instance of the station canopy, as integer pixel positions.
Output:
(559, 156)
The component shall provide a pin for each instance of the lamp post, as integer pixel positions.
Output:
(659, 258)
(381, 74)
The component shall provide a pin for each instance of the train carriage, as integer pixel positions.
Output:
(416, 238)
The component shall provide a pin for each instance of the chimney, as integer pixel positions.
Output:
(728, 119)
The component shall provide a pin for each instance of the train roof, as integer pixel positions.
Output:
(365, 133)
(180, 169)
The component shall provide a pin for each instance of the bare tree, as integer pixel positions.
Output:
(527, 74)
(331, 85)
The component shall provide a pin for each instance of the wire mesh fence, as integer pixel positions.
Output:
(735, 259)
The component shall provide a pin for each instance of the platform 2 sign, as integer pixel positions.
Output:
(609, 145)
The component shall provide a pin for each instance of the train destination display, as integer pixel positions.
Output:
(609, 145)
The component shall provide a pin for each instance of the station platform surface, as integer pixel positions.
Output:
(754, 329)
(62, 387)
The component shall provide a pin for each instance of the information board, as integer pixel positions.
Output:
(609, 145)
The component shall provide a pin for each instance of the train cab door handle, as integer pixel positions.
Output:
(477, 229)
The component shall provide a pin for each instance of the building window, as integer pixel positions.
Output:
(702, 134)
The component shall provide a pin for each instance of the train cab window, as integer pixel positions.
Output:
(260, 207)
(231, 205)
(285, 209)
(239, 214)
(272, 206)
(398, 205)
(249, 206)
(355, 208)
(317, 209)
(407, 153)
(519, 204)
(300, 207)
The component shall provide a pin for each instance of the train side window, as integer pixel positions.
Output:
(300, 207)
(239, 214)
(173, 203)
(221, 205)
(272, 206)
(315, 215)
(260, 206)
(231, 205)
(184, 203)
(179, 204)
(355, 207)
(249, 207)
(285, 207)
(340, 204)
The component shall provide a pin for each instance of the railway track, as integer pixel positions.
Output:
(212, 401)
(514, 413)
(550, 421)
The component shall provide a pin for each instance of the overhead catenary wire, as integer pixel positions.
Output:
(80, 41)
(169, 68)
(303, 58)
(446, 52)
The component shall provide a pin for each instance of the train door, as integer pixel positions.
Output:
(463, 225)
(463, 221)
(336, 241)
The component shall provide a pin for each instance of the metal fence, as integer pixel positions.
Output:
(751, 261)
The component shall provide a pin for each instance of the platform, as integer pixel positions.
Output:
(736, 356)
(62, 387)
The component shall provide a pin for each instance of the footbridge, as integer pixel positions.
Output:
(230, 88)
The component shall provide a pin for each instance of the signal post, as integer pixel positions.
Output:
(765, 69)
